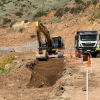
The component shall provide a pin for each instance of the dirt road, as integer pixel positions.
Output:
(74, 82)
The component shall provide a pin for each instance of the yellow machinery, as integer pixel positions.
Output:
(51, 46)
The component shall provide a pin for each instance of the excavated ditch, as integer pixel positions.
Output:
(45, 73)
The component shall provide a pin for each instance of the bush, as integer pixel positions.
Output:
(96, 16)
(87, 4)
(8, 60)
(18, 13)
(66, 9)
(21, 30)
(92, 19)
(0, 55)
(23, 5)
(25, 21)
(94, 1)
(40, 13)
(79, 1)
(59, 12)
(76, 10)
(6, 20)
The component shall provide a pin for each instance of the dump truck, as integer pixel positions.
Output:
(86, 42)
(51, 45)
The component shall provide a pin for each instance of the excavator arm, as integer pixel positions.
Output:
(42, 54)
(41, 28)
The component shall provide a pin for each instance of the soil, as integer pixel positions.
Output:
(30, 79)
(46, 73)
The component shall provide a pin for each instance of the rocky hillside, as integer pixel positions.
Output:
(61, 17)
(12, 11)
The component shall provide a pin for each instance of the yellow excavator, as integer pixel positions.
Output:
(50, 45)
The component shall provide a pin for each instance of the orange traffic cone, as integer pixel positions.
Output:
(88, 64)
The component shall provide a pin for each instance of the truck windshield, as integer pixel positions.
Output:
(88, 37)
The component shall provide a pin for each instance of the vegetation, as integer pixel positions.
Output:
(18, 13)
(79, 2)
(79, 7)
(8, 60)
(59, 12)
(34, 9)
(94, 1)
(21, 30)
(96, 14)
(40, 13)
(0, 55)
(4, 72)
(6, 20)
(25, 21)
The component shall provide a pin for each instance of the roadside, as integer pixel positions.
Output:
(74, 82)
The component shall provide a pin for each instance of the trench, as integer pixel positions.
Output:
(46, 73)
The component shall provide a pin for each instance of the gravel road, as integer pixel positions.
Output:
(27, 47)
(24, 47)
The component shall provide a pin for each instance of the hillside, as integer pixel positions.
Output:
(12, 11)
(65, 20)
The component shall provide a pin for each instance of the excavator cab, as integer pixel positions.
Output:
(56, 42)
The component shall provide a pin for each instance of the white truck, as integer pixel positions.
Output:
(86, 42)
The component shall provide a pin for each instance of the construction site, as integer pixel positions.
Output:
(47, 60)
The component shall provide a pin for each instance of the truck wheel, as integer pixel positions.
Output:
(94, 54)
(98, 55)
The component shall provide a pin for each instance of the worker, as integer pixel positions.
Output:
(98, 49)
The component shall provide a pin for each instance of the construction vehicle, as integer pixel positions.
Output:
(86, 42)
(50, 46)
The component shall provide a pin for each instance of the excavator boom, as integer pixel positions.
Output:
(43, 29)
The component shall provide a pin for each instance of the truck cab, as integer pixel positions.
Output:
(86, 41)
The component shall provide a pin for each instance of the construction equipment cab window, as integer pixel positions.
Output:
(56, 42)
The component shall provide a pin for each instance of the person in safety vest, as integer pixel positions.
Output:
(98, 49)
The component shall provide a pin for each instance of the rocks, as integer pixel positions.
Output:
(84, 89)
(31, 64)
(24, 47)
(27, 47)
(7, 66)
(70, 74)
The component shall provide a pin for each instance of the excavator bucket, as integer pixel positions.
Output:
(43, 56)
